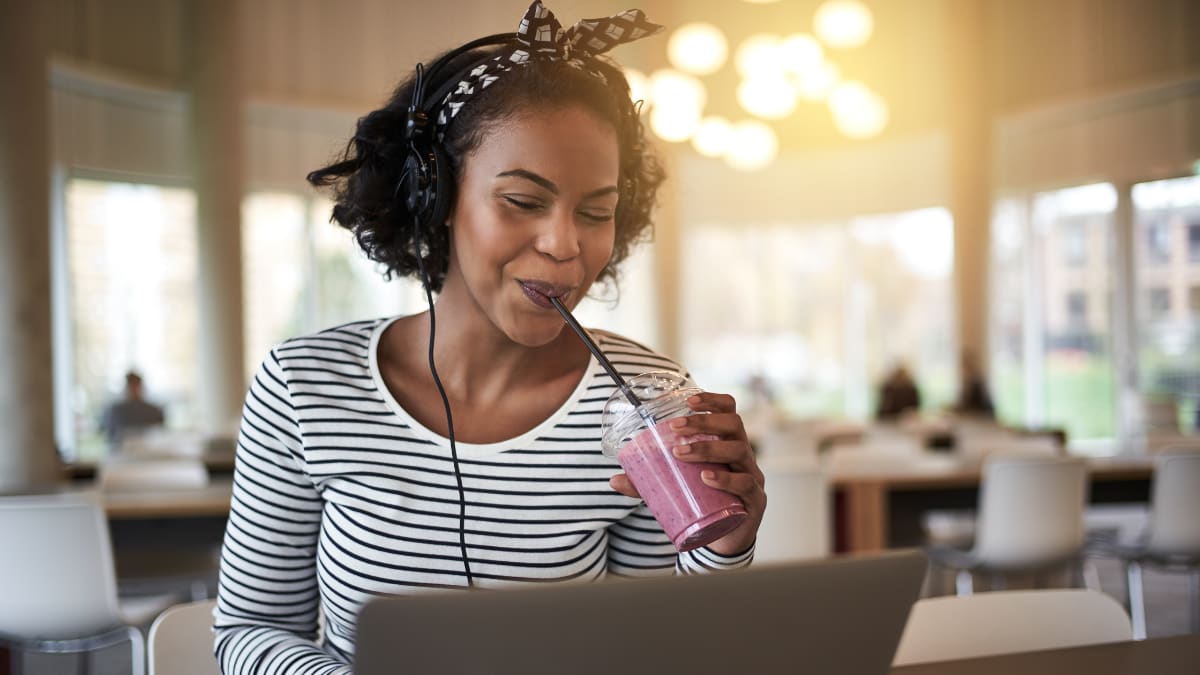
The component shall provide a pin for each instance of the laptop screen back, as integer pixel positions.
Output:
(841, 615)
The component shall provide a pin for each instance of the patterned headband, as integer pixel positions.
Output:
(541, 36)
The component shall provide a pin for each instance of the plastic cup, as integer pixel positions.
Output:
(692, 513)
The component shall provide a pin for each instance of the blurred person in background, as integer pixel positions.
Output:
(973, 396)
(131, 414)
(898, 394)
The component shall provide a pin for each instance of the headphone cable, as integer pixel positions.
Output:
(437, 381)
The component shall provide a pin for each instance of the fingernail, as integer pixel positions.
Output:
(693, 399)
(678, 423)
(681, 450)
(708, 475)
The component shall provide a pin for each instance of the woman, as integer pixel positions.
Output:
(347, 486)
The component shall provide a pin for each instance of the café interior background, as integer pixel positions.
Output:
(1017, 178)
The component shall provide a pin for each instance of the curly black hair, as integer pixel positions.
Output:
(366, 174)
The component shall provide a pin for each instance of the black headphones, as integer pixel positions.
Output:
(425, 183)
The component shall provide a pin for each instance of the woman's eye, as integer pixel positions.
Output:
(523, 204)
(598, 216)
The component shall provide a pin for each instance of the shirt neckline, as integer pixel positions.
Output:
(472, 449)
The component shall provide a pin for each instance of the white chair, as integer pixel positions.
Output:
(796, 524)
(57, 582)
(1172, 542)
(947, 628)
(181, 641)
(1030, 520)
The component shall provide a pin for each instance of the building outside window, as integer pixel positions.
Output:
(1168, 325)
(1070, 379)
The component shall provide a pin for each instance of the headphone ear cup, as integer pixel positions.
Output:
(441, 186)
(412, 178)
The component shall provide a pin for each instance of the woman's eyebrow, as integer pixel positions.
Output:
(532, 177)
(549, 184)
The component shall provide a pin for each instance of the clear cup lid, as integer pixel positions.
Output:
(659, 391)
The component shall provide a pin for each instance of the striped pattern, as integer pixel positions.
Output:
(339, 496)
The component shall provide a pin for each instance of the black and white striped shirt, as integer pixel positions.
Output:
(340, 496)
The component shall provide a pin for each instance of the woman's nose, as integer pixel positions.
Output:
(559, 236)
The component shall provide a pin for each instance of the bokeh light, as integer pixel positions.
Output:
(858, 112)
(712, 138)
(758, 55)
(639, 86)
(698, 48)
(815, 83)
(768, 96)
(671, 87)
(674, 122)
(752, 145)
(844, 23)
(801, 52)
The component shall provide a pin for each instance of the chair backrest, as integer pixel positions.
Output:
(152, 473)
(181, 641)
(796, 523)
(1031, 510)
(1175, 505)
(56, 570)
(999, 622)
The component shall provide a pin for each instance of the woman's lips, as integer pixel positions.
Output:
(540, 292)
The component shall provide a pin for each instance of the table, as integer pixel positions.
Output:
(1178, 655)
(212, 500)
(876, 510)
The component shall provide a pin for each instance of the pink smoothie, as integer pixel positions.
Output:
(692, 513)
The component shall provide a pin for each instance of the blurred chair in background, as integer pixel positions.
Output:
(57, 582)
(1172, 539)
(1030, 522)
(796, 525)
(181, 641)
(942, 629)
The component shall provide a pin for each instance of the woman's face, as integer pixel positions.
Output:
(534, 219)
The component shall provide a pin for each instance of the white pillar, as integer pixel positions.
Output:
(970, 171)
(28, 459)
(216, 128)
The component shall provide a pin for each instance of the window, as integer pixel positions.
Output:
(1077, 311)
(1077, 388)
(1158, 301)
(303, 273)
(129, 273)
(1009, 262)
(1156, 243)
(1074, 242)
(821, 311)
(1168, 333)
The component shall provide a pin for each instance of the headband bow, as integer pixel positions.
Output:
(541, 36)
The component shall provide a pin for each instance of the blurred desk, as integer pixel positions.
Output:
(212, 500)
(1177, 655)
(878, 509)
(168, 539)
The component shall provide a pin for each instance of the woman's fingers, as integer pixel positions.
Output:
(621, 483)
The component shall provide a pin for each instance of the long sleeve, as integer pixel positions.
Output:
(638, 547)
(266, 619)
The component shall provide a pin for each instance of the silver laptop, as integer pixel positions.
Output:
(840, 615)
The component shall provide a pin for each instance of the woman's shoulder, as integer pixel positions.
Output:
(631, 356)
(346, 342)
